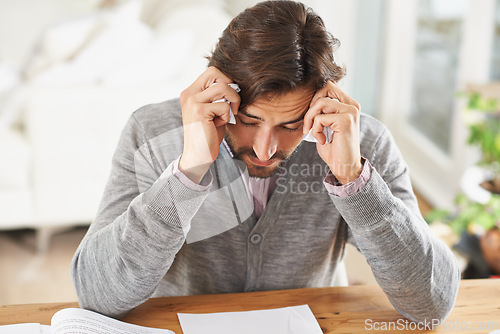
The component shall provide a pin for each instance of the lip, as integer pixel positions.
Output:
(261, 163)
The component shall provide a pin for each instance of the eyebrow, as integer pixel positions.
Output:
(244, 112)
(300, 118)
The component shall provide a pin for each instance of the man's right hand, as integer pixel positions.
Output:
(204, 122)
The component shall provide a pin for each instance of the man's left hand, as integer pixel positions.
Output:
(331, 107)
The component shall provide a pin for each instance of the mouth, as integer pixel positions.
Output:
(261, 163)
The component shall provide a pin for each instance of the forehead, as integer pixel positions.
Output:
(280, 108)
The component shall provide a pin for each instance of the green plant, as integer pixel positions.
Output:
(477, 102)
(483, 120)
(469, 215)
(485, 131)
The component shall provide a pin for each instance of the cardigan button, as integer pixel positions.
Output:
(256, 238)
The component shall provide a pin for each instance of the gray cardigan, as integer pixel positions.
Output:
(154, 236)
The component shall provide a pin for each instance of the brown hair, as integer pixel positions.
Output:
(274, 48)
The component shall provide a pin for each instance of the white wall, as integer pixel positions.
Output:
(21, 22)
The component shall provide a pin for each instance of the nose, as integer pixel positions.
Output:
(265, 144)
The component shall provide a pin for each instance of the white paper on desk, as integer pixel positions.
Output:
(287, 320)
(45, 329)
(31, 328)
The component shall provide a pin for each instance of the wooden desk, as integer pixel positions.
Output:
(338, 310)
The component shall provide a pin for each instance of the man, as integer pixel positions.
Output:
(196, 205)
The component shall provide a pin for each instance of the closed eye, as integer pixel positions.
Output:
(248, 124)
(290, 129)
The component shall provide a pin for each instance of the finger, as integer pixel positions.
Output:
(320, 122)
(218, 92)
(208, 112)
(335, 122)
(328, 105)
(323, 105)
(311, 113)
(322, 93)
(234, 101)
(309, 119)
(335, 92)
(219, 113)
(212, 75)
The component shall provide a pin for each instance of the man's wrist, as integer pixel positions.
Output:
(334, 187)
(352, 173)
(194, 172)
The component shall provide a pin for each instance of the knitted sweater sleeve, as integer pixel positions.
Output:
(417, 271)
(141, 224)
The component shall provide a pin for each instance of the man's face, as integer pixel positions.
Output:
(267, 132)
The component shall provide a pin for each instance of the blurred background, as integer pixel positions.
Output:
(72, 72)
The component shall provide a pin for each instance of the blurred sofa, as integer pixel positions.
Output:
(61, 118)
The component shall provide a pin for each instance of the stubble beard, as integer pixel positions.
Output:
(260, 172)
